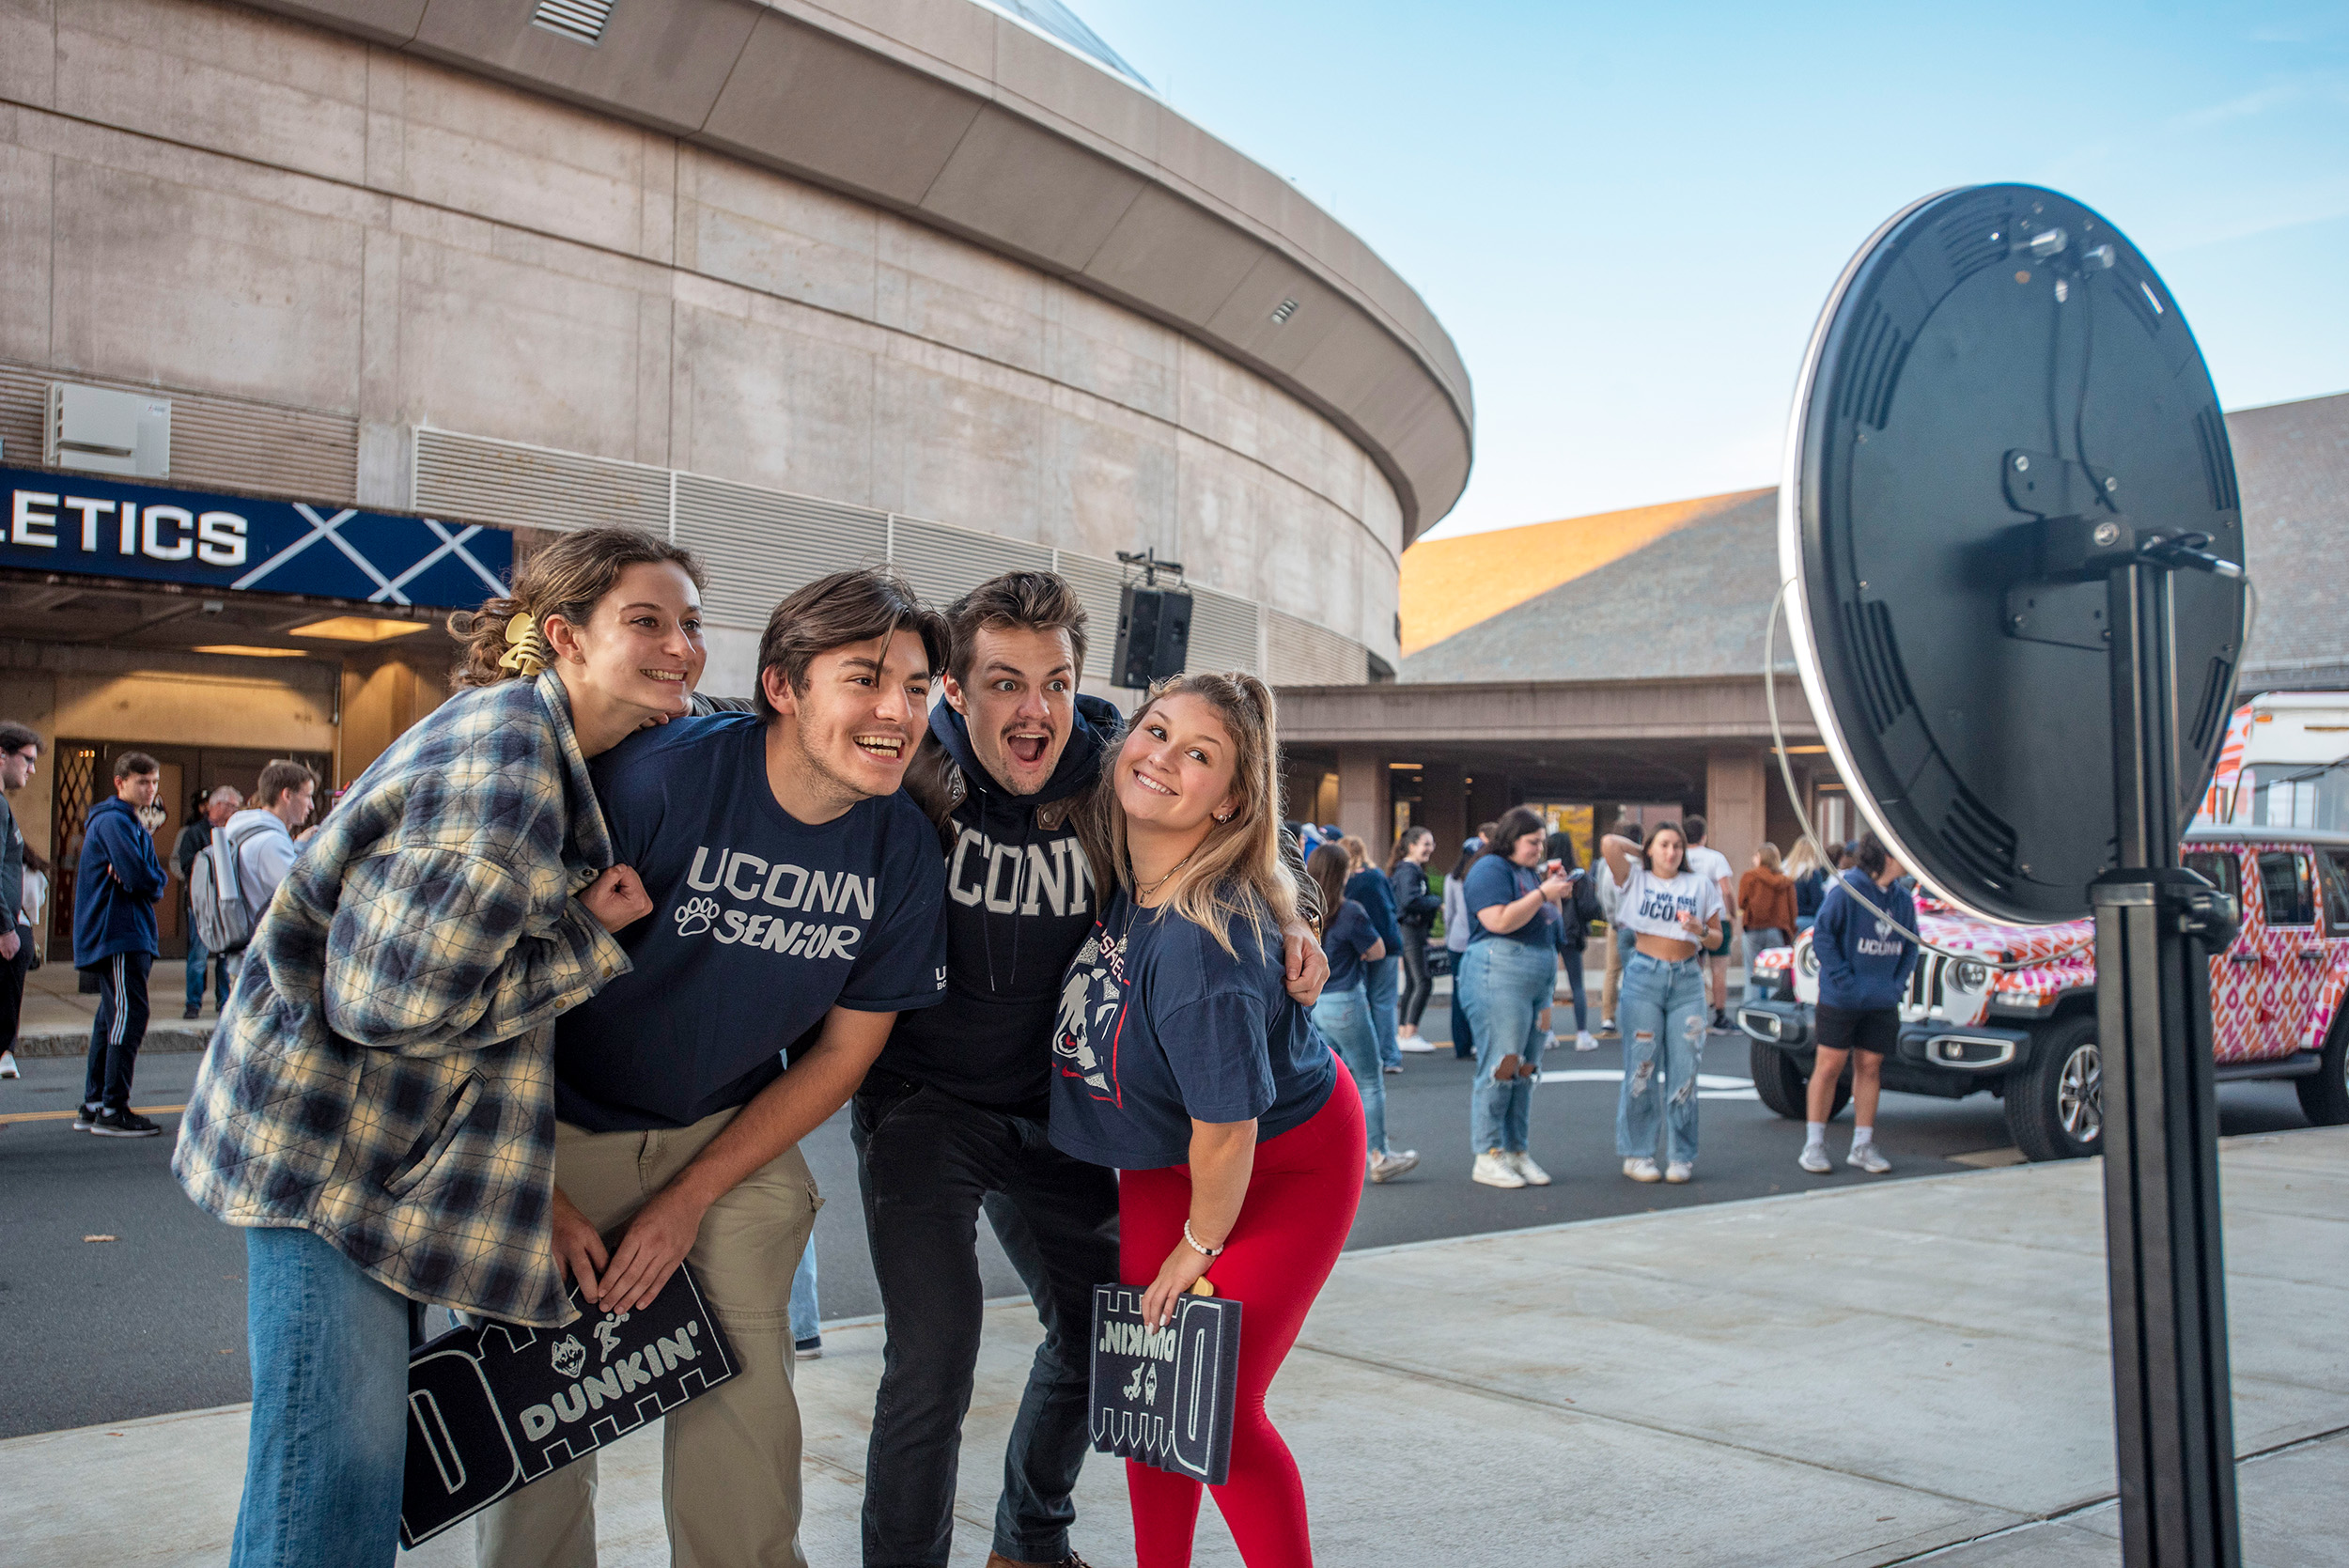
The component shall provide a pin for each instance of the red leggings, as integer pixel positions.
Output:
(1300, 1207)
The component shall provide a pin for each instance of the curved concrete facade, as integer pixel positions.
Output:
(303, 223)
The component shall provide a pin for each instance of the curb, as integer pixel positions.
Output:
(44, 1040)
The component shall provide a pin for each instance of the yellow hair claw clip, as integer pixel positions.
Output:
(526, 647)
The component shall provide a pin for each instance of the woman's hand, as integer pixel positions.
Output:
(1184, 1267)
(1689, 923)
(1306, 966)
(578, 1250)
(1556, 886)
(656, 1242)
(618, 898)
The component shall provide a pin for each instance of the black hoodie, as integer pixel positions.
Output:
(1020, 902)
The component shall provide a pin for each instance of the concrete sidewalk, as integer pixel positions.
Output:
(57, 1016)
(1861, 1377)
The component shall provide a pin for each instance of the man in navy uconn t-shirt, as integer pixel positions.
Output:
(799, 903)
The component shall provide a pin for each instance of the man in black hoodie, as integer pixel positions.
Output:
(950, 1119)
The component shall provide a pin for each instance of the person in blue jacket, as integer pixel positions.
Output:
(1865, 958)
(115, 889)
(1368, 886)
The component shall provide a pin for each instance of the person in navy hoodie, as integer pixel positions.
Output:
(115, 889)
(1865, 957)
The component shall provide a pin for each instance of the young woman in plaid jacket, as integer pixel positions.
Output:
(377, 1106)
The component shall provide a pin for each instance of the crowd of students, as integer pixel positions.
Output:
(1517, 908)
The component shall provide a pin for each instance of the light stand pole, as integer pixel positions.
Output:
(2156, 924)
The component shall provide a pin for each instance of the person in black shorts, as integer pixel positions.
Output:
(1864, 957)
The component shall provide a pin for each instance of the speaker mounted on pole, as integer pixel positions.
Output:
(1153, 625)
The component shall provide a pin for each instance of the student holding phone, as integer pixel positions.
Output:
(1507, 980)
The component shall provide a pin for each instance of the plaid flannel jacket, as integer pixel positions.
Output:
(384, 1074)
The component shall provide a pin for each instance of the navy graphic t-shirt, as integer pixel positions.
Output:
(760, 924)
(1159, 1025)
(1495, 879)
(1349, 936)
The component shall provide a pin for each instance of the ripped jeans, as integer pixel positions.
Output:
(1505, 986)
(1663, 1041)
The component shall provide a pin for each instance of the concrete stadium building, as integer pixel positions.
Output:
(405, 282)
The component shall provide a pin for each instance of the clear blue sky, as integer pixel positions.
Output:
(1628, 216)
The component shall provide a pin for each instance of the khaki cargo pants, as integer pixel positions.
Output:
(730, 1459)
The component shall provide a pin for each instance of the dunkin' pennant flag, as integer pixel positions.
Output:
(495, 1407)
(1165, 1396)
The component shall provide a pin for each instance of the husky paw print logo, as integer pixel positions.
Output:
(694, 915)
(570, 1356)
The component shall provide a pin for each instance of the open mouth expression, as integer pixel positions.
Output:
(881, 746)
(1028, 745)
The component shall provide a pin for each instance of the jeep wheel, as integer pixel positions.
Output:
(2325, 1094)
(2055, 1108)
(1780, 1082)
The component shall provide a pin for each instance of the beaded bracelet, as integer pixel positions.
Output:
(1197, 1247)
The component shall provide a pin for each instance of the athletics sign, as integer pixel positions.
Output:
(1165, 1396)
(77, 523)
(492, 1408)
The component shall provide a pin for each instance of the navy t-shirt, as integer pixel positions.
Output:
(1159, 1026)
(760, 924)
(1494, 880)
(1350, 934)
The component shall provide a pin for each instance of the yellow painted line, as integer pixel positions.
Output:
(69, 1115)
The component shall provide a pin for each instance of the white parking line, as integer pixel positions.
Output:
(1710, 1086)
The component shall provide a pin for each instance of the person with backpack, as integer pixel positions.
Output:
(115, 889)
(205, 815)
(233, 879)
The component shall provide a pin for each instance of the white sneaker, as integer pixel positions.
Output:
(1585, 1040)
(1395, 1071)
(1605, 1026)
(1390, 1163)
(1494, 1170)
(1678, 1171)
(1524, 1164)
(1865, 1156)
(1417, 1045)
(1642, 1171)
(1815, 1160)
(8, 1064)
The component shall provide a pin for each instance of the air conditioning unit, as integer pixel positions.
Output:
(107, 432)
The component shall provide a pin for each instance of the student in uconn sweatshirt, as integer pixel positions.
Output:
(1864, 963)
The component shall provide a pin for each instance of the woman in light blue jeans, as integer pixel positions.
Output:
(1343, 1014)
(1673, 915)
(1507, 978)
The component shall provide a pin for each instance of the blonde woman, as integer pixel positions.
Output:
(1811, 874)
(461, 896)
(1183, 1062)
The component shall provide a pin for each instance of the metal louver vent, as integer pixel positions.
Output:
(535, 487)
(581, 20)
(944, 563)
(1300, 653)
(1223, 633)
(761, 545)
(1096, 583)
(220, 442)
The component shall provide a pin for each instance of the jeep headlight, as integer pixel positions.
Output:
(1971, 974)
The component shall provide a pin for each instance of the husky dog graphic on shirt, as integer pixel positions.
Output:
(1090, 1001)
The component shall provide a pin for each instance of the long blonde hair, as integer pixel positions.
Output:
(1237, 872)
(1804, 859)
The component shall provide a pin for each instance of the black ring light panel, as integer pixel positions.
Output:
(1998, 372)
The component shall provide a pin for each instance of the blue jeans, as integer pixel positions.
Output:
(1572, 958)
(1505, 985)
(1756, 944)
(1663, 1044)
(807, 1322)
(328, 1443)
(1463, 1033)
(1379, 985)
(199, 957)
(1345, 1018)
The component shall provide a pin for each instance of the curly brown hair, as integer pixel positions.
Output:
(567, 578)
